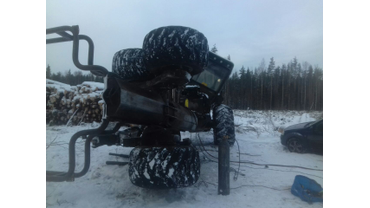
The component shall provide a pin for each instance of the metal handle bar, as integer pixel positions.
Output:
(75, 38)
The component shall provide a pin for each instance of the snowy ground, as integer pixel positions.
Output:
(256, 186)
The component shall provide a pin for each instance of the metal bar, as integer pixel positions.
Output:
(117, 126)
(56, 40)
(87, 150)
(69, 175)
(65, 35)
(224, 167)
(75, 37)
(62, 29)
(87, 157)
(116, 163)
(90, 60)
(55, 173)
(120, 155)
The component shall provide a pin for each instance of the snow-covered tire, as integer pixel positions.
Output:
(129, 65)
(223, 118)
(164, 167)
(176, 47)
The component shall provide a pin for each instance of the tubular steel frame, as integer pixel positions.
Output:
(75, 38)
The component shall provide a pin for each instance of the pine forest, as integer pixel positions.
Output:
(291, 86)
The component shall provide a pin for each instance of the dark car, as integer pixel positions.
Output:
(303, 137)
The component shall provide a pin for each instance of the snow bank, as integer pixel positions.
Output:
(269, 122)
(94, 85)
(58, 86)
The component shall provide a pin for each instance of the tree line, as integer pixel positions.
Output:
(292, 86)
(72, 79)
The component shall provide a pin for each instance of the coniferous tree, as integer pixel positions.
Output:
(270, 71)
(305, 68)
(48, 72)
(261, 70)
(249, 81)
(69, 78)
(242, 86)
(276, 88)
(318, 78)
(214, 49)
(234, 89)
(283, 75)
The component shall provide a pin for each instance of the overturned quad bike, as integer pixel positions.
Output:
(171, 84)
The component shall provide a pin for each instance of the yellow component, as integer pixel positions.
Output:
(187, 103)
(203, 83)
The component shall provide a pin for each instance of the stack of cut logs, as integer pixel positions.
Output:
(73, 105)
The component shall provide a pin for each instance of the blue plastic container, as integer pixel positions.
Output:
(307, 189)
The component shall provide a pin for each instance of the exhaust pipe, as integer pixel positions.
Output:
(130, 104)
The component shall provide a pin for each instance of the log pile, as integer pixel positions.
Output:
(73, 105)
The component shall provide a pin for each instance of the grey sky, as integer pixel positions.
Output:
(248, 31)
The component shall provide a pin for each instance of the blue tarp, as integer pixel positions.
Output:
(307, 189)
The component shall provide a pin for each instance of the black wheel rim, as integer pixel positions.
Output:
(295, 146)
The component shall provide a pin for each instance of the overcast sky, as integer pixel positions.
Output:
(248, 31)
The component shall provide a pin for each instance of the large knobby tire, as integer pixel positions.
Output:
(129, 65)
(223, 118)
(164, 167)
(175, 47)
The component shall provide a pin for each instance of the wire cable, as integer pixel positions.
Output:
(237, 172)
(253, 163)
